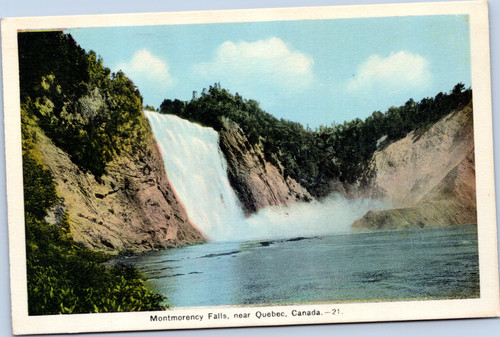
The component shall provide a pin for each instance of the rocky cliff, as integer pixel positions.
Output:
(428, 177)
(256, 181)
(86, 126)
(131, 208)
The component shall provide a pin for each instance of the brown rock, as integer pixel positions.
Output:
(428, 176)
(256, 181)
(131, 208)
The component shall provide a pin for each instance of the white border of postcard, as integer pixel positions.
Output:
(488, 305)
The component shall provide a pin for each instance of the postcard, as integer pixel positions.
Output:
(235, 168)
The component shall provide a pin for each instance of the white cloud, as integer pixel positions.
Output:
(265, 63)
(145, 68)
(401, 71)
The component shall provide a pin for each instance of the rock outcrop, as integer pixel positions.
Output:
(256, 181)
(428, 177)
(130, 208)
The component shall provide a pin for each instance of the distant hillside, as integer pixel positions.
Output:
(428, 177)
(329, 159)
(95, 181)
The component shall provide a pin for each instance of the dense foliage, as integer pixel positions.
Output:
(64, 277)
(315, 158)
(95, 116)
(91, 114)
(68, 95)
(347, 148)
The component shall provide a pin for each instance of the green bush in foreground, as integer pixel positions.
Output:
(64, 277)
(94, 116)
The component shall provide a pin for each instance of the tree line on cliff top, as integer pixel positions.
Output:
(94, 116)
(315, 158)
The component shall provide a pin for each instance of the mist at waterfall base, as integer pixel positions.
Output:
(331, 215)
(197, 171)
(303, 253)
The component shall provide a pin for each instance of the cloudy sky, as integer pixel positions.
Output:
(313, 72)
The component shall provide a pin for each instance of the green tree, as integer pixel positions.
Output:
(340, 152)
(69, 96)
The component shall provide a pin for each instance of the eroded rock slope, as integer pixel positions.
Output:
(256, 181)
(428, 177)
(131, 208)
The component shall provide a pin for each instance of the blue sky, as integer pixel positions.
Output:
(314, 72)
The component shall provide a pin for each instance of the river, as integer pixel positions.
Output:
(428, 263)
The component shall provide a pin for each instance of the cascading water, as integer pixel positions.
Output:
(197, 170)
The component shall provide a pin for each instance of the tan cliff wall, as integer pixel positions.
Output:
(131, 208)
(256, 181)
(428, 177)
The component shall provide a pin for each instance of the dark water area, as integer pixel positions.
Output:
(429, 263)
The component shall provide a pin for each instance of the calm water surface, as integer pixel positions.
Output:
(406, 264)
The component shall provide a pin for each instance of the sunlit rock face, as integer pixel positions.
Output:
(428, 177)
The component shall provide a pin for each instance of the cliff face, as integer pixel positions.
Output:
(428, 177)
(86, 126)
(131, 208)
(257, 182)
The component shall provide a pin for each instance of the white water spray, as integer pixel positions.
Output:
(333, 214)
(197, 171)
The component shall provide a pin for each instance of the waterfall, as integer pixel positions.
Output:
(197, 171)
